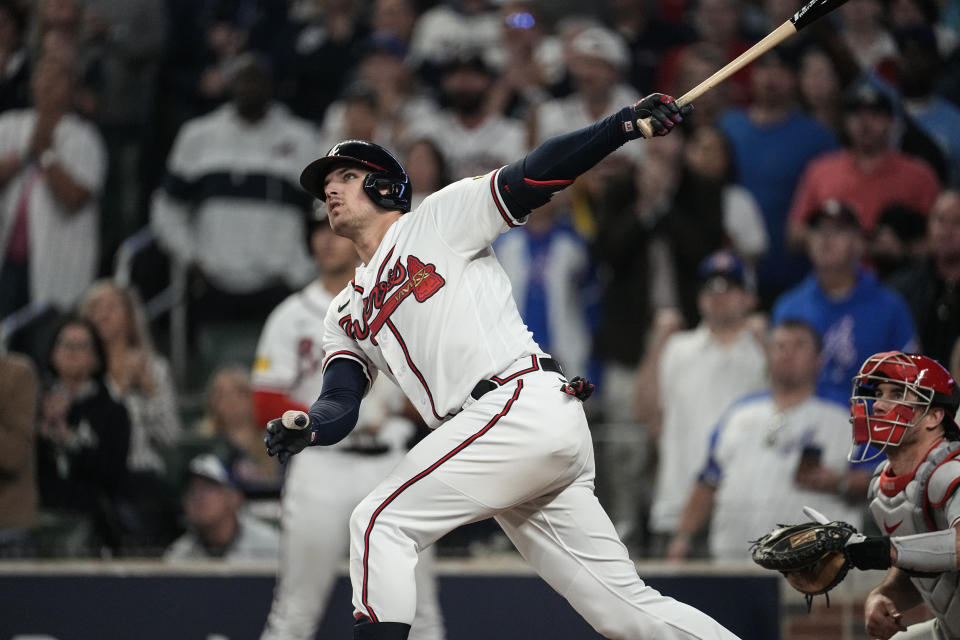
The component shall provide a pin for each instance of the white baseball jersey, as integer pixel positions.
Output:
(699, 378)
(433, 310)
(401, 316)
(925, 500)
(324, 484)
(753, 459)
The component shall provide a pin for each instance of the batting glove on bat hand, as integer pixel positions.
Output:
(663, 111)
(283, 442)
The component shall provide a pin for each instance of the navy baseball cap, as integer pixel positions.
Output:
(210, 467)
(865, 96)
(720, 270)
(837, 211)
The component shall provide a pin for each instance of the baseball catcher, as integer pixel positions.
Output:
(904, 405)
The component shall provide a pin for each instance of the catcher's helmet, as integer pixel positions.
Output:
(385, 172)
(924, 382)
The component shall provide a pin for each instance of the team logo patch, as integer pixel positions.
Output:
(417, 277)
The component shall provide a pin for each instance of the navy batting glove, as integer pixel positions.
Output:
(663, 112)
(283, 442)
(872, 552)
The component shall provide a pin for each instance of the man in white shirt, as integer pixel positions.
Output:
(759, 447)
(700, 373)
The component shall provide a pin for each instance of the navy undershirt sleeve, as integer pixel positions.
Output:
(531, 182)
(334, 414)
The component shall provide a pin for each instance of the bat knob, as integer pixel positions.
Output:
(295, 420)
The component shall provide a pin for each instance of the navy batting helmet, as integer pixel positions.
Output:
(385, 172)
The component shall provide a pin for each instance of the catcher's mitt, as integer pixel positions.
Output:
(811, 556)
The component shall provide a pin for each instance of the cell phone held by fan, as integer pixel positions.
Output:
(810, 457)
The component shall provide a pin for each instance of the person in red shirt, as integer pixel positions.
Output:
(869, 174)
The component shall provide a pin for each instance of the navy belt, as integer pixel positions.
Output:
(537, 364)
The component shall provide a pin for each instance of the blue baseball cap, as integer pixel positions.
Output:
(720, 270)
(209, 466)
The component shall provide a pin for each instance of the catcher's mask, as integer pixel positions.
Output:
(921, 383)
(386, 172)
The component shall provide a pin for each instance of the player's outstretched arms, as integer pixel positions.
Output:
(331, 417)
(531, 182)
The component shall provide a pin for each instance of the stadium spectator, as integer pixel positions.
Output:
(394, 18)
(473, 139)
(427, 169)
(140, 378)
(898, 242)
(387, 88)
(597, 60)
(930, 288)
(230, 417)
(52, 166)
(855, 315)
(443, 32)
(695, 63)
(14, 59)
(530, 60)
(644, 252)
(325, 41)
(866, 37)
(709, 154)
(772, 143)
(748, 484)
(919, 65)
(717, 24)
(867, 175)
(232, 182)
(911, 13)
(135, 373)
(217, 524)
(127, 37)
(84, 438)
(820, 88)
(649, 33)
(18, 479)
(700, 372)
(58, 29)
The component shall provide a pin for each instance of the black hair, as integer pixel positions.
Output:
(802, 325)
(96, 343)
(16, 13)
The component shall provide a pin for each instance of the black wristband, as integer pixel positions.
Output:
(872, 553)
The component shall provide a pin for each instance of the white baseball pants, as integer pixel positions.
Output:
(523, 454)
(321, 489)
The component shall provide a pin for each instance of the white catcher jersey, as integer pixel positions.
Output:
(925, 500)
(434, 280)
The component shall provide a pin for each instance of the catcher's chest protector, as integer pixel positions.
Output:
(903, 513)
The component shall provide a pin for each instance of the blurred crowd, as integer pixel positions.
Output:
(721, 285)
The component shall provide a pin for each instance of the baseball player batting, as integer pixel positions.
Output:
(324, 484)
(431, 309)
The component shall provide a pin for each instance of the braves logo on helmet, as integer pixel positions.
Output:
(920, 383)
(387, 183)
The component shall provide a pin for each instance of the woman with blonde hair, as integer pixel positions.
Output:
(140, 378)
(136, 374)
(229, 415)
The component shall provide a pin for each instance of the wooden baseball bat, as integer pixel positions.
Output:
(810, 13)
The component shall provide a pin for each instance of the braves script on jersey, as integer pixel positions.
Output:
(433, 281)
